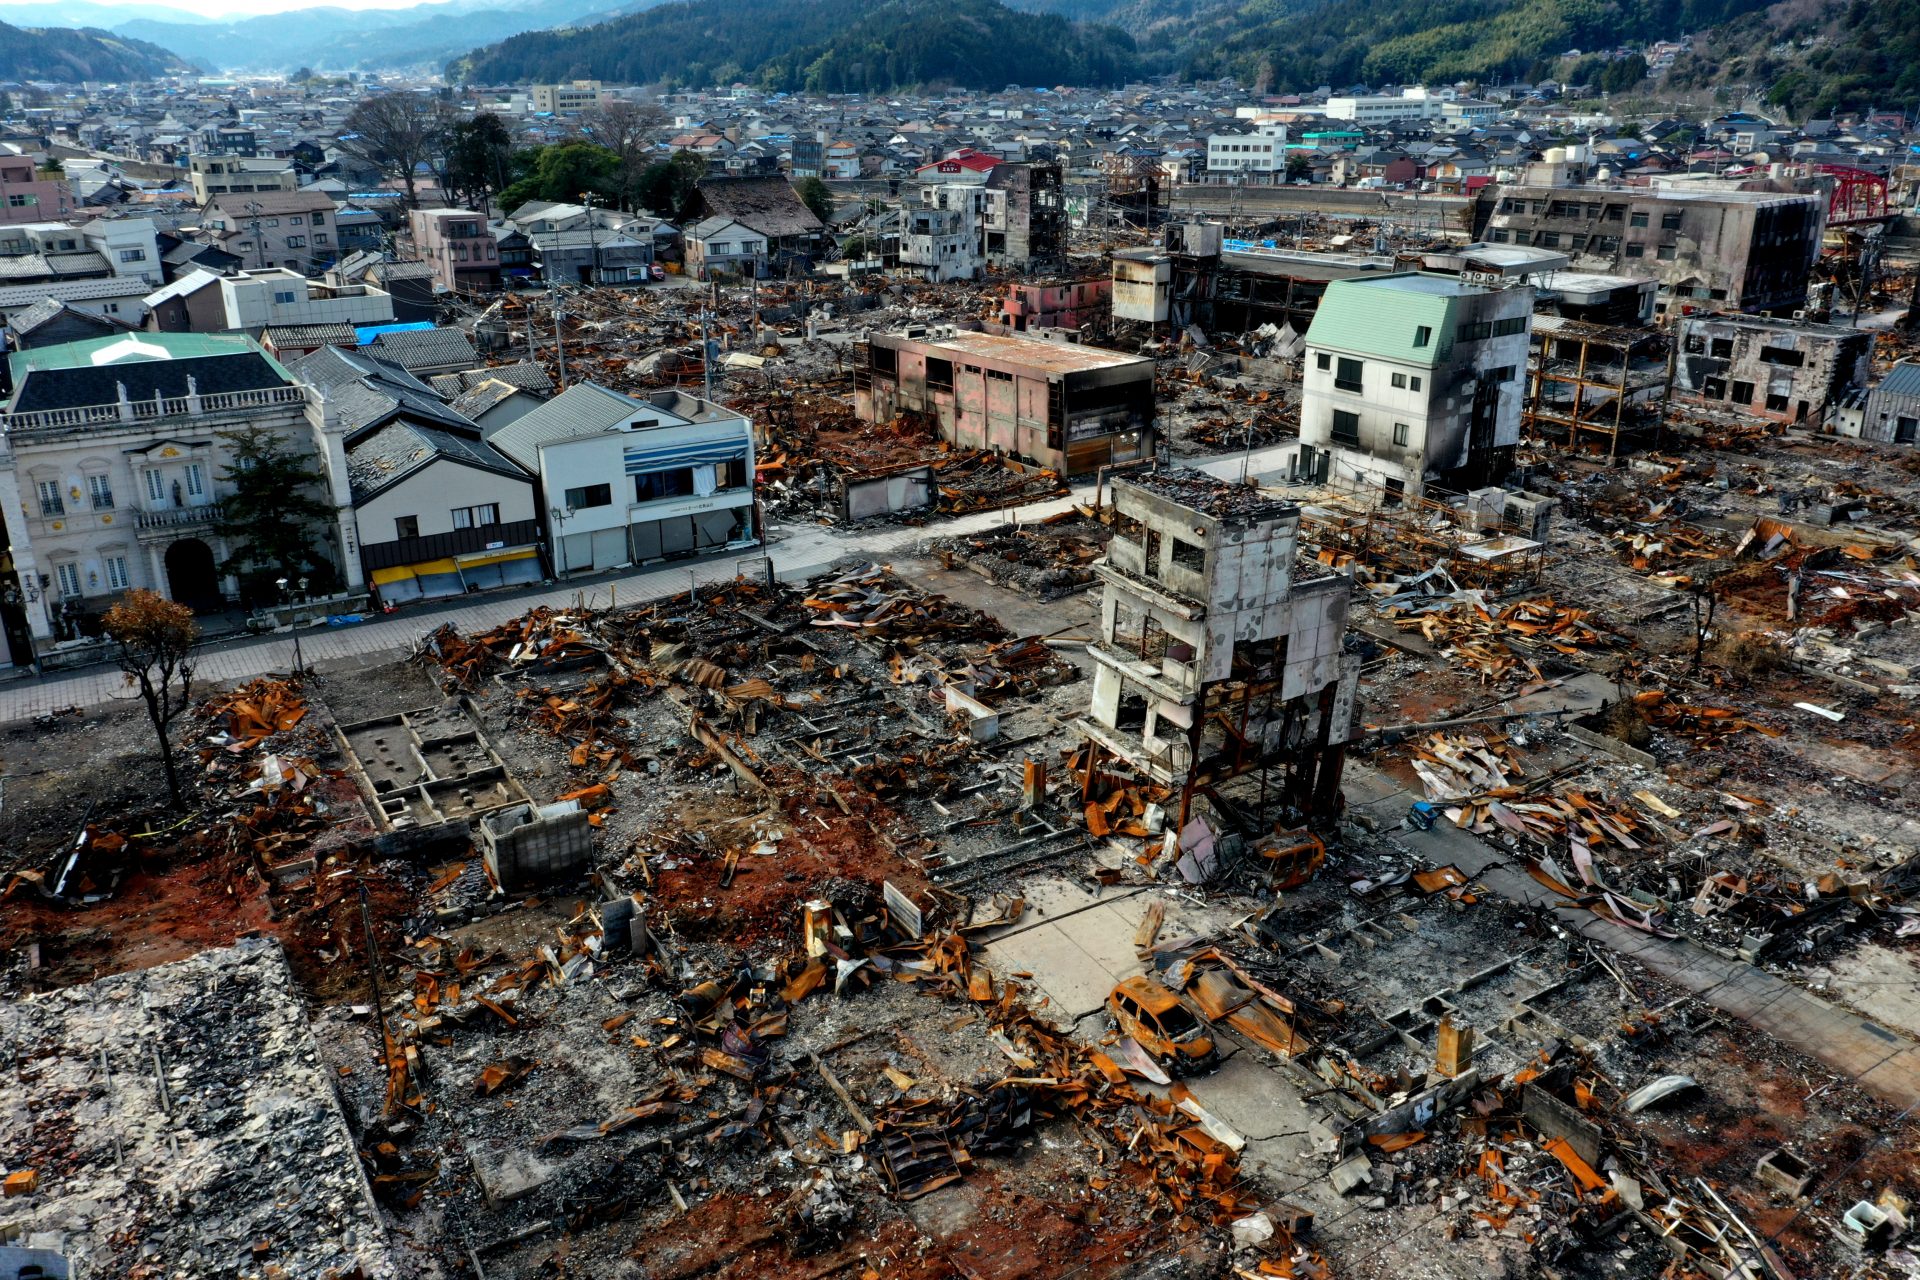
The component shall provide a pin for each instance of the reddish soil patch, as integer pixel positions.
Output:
(1004, 1236)
(159, 915)
(859, 845)
(165, 913)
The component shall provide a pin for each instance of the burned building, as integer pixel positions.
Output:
(1060, 405)
(1019, 211)
(1057, 304)
(1215, 658)
(203, 1134)
(1781, 370)
(1589, 385)
(1413, 379)
(1731, 249)
(1219, 284)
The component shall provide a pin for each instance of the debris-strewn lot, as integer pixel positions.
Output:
(800, 930)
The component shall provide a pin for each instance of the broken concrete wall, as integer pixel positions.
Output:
(862, 497)
(526, 847)
(1778, 370)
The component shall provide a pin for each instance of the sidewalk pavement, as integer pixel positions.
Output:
(797, 552)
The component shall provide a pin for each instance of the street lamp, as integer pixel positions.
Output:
(299, 662)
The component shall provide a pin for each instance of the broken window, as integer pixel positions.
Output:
(1742, 393)
(1615, 212)
(1722, 349)
(1422, 335)
(1669, 222)
(1714, 388)
(654, 485)
(1153, 553)
(885, 360)
(1696, 344)
(1396, 490)
(1776, 403)
(1666, 253)
(1189, 556)
(1783, 355)
(939, 374)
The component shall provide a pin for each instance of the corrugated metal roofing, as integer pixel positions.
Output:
(584, 409)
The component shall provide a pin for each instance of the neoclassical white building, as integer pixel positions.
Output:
(110, 465)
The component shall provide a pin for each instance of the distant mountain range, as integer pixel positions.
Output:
(330, 39)
(69, 54)
(821, 46)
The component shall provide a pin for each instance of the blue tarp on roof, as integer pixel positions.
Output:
(365, 333)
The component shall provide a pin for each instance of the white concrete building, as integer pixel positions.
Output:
(277, 296)
(1411, 104)
(1262, 153)
(1413, 379)
(944, 244)
(626, 481)
(111, 465)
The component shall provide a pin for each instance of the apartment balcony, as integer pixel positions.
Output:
(174, 521)
(130, 413)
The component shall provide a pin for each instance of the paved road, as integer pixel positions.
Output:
(797, 551)
(1879, 1059)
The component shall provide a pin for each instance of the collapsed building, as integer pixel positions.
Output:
(1787, 371)
(1201, 278)
(1215, 657)
(1063, 406)
(200, 1131)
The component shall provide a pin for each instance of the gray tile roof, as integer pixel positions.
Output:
(425, 348)
(308, 335)
(384, 458)
(477, 400)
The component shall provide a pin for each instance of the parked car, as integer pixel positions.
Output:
(1164, 1027)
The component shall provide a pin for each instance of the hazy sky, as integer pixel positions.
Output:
(242, 8)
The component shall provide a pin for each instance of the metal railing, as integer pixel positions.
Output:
(175, 517)
(136, 411)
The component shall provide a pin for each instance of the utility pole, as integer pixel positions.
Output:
(593, 243)
(559, 343)
(259, 245)
(706, 360)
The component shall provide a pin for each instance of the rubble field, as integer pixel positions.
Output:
(789, 930)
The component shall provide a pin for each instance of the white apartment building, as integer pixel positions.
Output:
(1411, 380)
(1263, 152)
